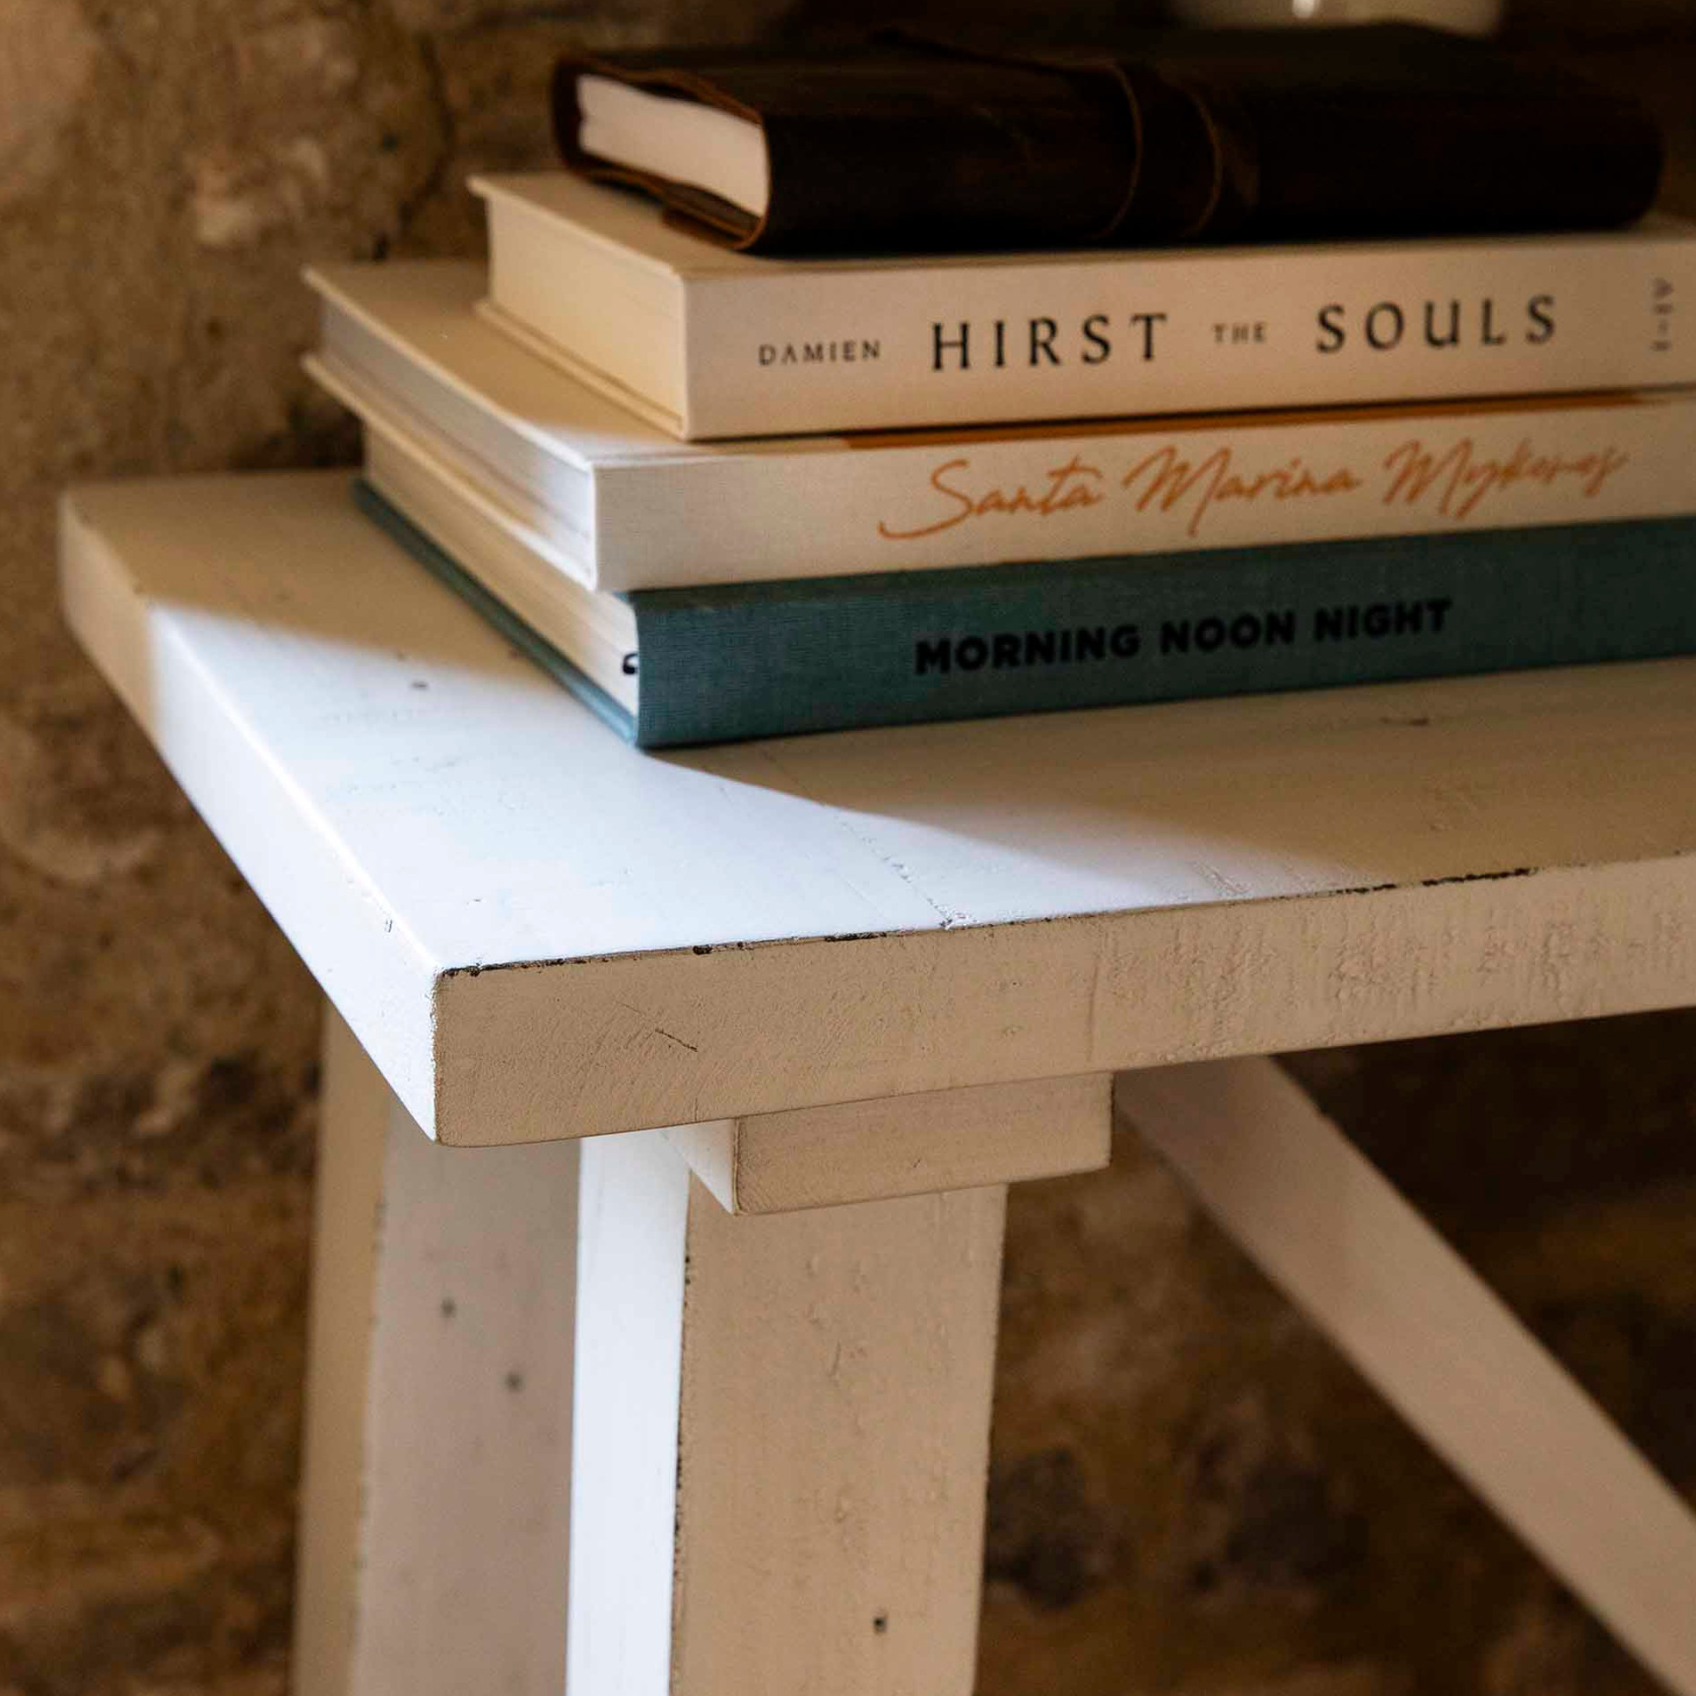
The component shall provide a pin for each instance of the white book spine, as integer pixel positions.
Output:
(985, 498)
(838, 347)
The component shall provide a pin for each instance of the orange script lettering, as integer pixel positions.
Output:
(1452, 480)
(1073, 484)
(1167, 480)
(1462, 479)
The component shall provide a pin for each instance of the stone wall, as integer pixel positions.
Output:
(1190, 1493)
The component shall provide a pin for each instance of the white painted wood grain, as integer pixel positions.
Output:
(355, 1109)
(375, 971)
(435, 1510)
(631, 1274)
(1434, 1340)
(622, 1040)
(540, 933)
(781, 1435)
(906, 1145)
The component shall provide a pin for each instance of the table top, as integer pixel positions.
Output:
(539, 932)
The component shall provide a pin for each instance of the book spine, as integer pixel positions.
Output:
(869, 347)
(870, 504)
(721, 665)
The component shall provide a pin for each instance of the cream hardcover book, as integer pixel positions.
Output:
(707, 342)
(721, 662)
(619, 504)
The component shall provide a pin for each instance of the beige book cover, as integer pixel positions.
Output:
(708, 342)
(620, 504)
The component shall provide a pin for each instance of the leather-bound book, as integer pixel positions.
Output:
(932, 146)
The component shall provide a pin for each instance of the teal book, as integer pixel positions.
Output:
(669, 667)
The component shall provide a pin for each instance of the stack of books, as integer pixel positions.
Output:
(725, 477)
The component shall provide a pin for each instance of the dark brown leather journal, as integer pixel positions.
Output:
(927, 146)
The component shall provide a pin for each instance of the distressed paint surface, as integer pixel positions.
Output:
(902, 1145)
(436, 1496)
(540, 933)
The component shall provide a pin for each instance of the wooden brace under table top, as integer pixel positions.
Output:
(594, 1416)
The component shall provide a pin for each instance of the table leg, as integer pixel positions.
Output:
(764, 1473)
(781, 1437)
(434, 1510)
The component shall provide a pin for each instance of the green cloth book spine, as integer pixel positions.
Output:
(774, 659)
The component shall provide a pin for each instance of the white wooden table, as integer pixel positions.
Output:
(717, 1391)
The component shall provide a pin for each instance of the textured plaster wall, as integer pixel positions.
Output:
(1190, 1493)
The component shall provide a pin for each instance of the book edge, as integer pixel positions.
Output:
(580, 370)
(452, 467)
(322, 281)
(508, 187)
(535, 647)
